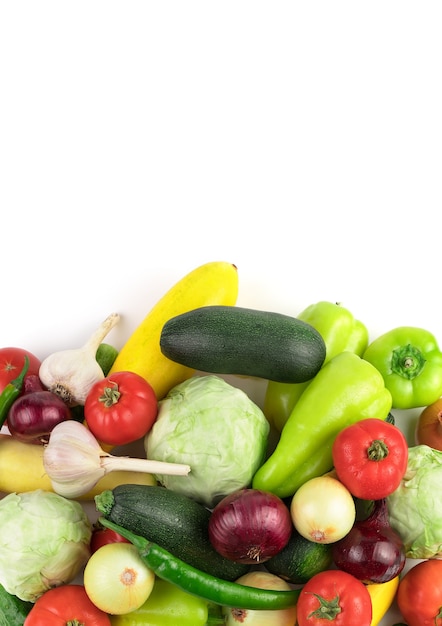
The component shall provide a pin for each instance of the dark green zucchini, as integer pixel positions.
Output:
(300, 559)
(173, 521)
(13, 610)
(247, 342)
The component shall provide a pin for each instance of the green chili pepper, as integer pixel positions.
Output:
(346, 390)
(11, 392)
(168, 605)
(410, 362)
(341, 332)
(196, 582)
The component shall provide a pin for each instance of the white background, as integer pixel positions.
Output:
(300, 141)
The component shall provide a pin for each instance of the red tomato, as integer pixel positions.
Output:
(103, 536)
(120, 408)
(12, 361)
(419, 595)
(68, 604)
(334, 597)
(370, 458)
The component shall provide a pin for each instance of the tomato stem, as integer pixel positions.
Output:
(328, 609)
(110, 396)
(378, 450)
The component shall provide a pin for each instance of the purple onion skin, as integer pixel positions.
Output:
(250, 526)
(372, 551)
(35, 413)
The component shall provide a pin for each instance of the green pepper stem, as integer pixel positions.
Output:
(18, 382)
(407, 361)
(11, 392)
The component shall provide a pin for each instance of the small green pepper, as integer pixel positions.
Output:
(168, 605)
(12, 391)
(194, 581)
(410, 362)
(346, 390)
(341, 332)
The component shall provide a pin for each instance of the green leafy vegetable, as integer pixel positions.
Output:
(44, 542)
(216, 429)
(415, 507)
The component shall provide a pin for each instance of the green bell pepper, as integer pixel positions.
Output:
(341, 332)
(168, 605)
(345, 390)
(410, 362)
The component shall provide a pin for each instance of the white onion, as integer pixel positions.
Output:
(323, 510)
(245, 617)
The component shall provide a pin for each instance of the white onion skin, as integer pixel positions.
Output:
(116, 579)
(244, 617)
(323, 510)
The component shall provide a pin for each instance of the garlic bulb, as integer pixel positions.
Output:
(70, 374)
(75, 462)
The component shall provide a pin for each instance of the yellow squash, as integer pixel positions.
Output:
(382, 596)
(213, 283)
(22, 469)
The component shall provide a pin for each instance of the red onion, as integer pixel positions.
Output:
(372, 551)
(250, 526)
(34, 414)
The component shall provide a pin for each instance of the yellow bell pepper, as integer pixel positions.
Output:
(382, 596)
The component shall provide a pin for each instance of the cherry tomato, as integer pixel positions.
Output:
(67, 604)
(334, 597)
(103, 536)
(121, 408)
(419, 595)
(370, 458)
(11, 364)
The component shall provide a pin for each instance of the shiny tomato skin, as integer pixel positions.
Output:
(419, 595)
(12, 362)
(370, 458)
(336, 598)
(103, 536)
(121, 408)
(67, 604)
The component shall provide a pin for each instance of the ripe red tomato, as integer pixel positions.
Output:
(12, 362)
(66, 604)
(103, 536)
(419, 595)
(121, 408)
(334, 597)
(370, 458)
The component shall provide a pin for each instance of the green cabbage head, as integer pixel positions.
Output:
(415, 508)
(44, 542)
(215, 428)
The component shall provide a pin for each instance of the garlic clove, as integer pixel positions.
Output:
(71, 374)
(74, 461)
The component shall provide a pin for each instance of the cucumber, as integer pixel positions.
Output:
(173, 521)
(246, 342)
(300, 559)
(13, 610)
(105, 357)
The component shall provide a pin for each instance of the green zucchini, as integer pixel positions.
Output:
(174, 521)
(13, 610)
(300, 559)
(246, 342)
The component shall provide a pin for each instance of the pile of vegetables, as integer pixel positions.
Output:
(301, 510)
